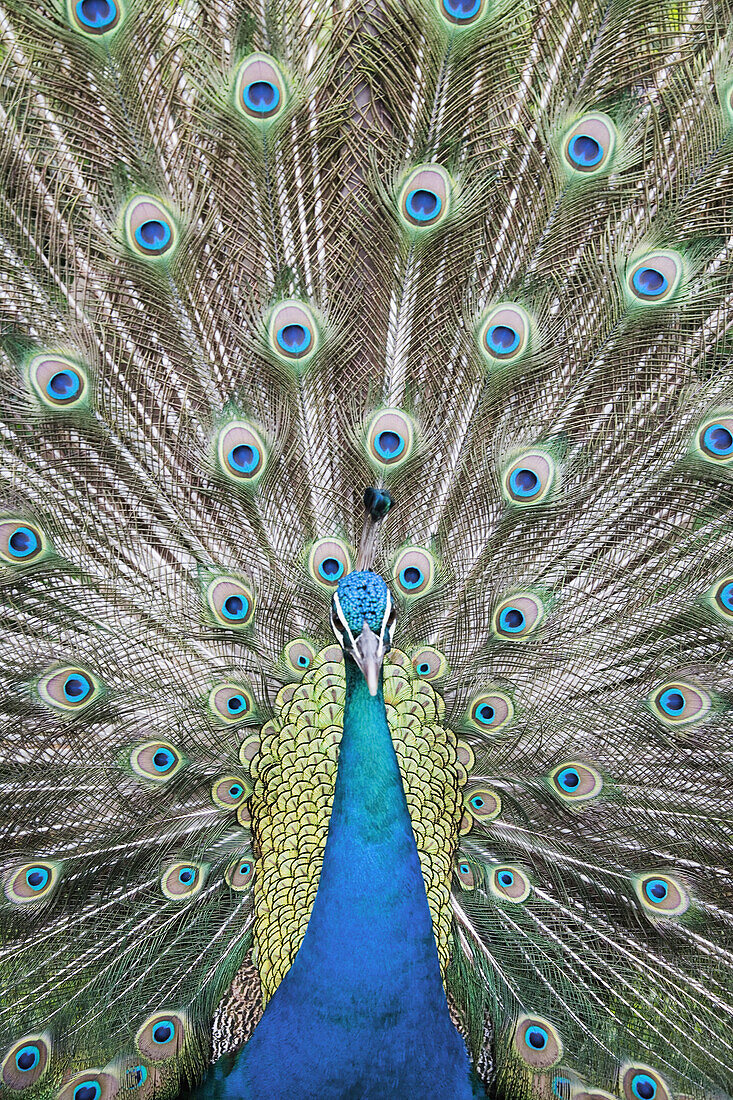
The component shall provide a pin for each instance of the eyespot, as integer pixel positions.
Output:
(654, 277)
(678, 703)
(509, 883)
(329, 560)
(26, 1062)
(491, 711)
(429, 663)
(57, 382)
(260, 92)
(156, 760)
(537, 1042)
(715, 439)
(230, 601)
(640, 1082)
(241, 453)
(181, 881)
(589, 145)
(425, 197)
(230, 702)
(149, 228)
(517, 616)
(722, 597)
(504, 333)
(68, 688)
(93, 1084)
(413, 572)
(461, 13)
(465, 874)
(575, 782)
(529, 478)
(162, 1036)
(482, 803)
(95, 17)
(662, 895)
(299, 655)
(240, 873)
(294, 334)
(390, 438)
(21, 542)
(229, 791)
(135, 1077)
(32, 882)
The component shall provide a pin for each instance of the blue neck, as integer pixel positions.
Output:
(362, 1011)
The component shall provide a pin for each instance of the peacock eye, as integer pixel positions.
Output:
(529, 478)
(575, 782)
(679, 703)
(429, 663)
(537, 1042)
(509, 883)
(241, 453)
(589, 145)
(517, 616)
(25, 1062)
(95, 17)
(229, 791)
(504, 334)
(240, 873)
(293, 332)
(68, 688)
(654, 277)
(32, 882)
(299, 655)
(640, 1082)
(662, 895)
(150, 229)
(491, 711)
(162, 1035)
(260, 90)
(715, 439)
(413, 571)
(230, 601)
(329, 560)
(56, 381)
(425, 197)
(156, 760)
(180, 881)
(722, 597)
(21, 542)
(91, 1085)
(390, 438)
(230, 702)
(461, 12)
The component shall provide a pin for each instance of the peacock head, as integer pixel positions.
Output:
(362, 618)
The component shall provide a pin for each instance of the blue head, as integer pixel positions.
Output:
(362, 618)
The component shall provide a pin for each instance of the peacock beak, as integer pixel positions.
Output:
(368, 652)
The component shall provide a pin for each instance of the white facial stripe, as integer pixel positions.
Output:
(387, 613)
(337, 605)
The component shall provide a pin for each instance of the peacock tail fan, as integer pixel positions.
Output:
(476, 256)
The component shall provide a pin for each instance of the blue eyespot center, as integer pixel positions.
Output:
(568, 779)
(76, 687)
(649, 281)
(643, 1086)
(464, 869)
(423, 668)
(22, 542)
(63, 385)
(502, 339)
(524, 482)
(244, 869)
(163, 1032)
(136, 1076)
(585, 151)
(477, 802)
(423, 205)
(153, 235)
(87, 1090)
(485, 714)
(96, 14)
(27, 1058)
(186, 875)
(236, 703)
(537, 1037)
(236, 790)
(389, 444)
(244, 458)
(462, 10)
(303, 661)
(331, 569)
(718, 440)
(163, 759)
(512, 620)
(506, 878)
(294, 339)
(656, 889)
(261, 96)
(672, 702)
(235, 607)
(37, 877)
(411, 577)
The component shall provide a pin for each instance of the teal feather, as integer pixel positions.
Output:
(473, 258)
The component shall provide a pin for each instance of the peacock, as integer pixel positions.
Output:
(366, 549)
